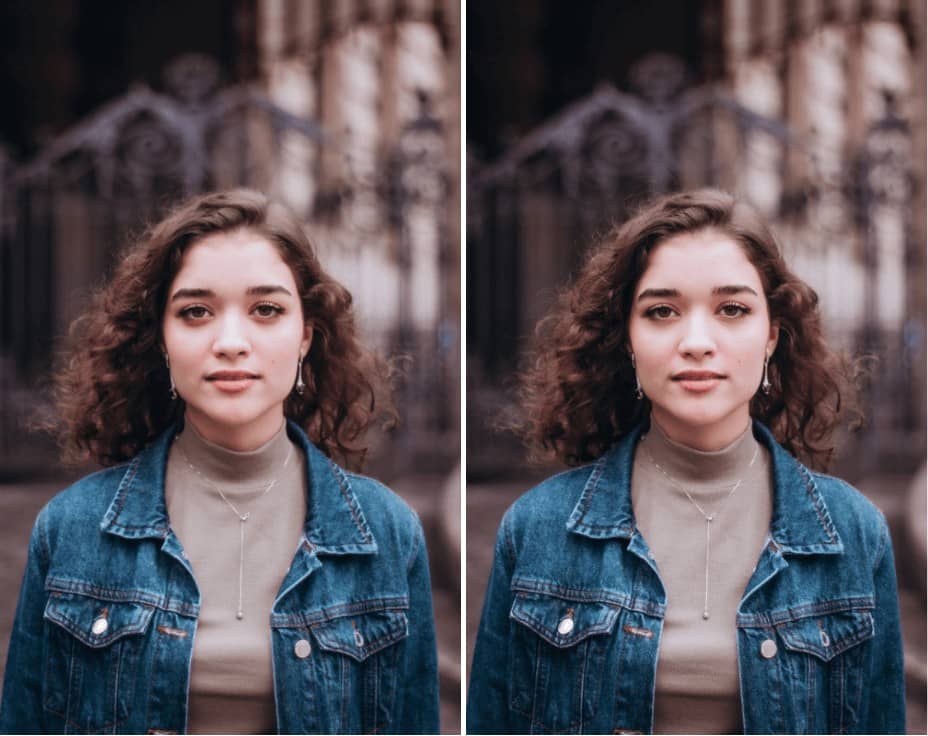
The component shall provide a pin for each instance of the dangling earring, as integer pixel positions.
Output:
(173, 390)
(765, 384)
(300, 386)
(639, 394)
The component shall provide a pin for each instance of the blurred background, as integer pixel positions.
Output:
(814, 110)
(347, 110)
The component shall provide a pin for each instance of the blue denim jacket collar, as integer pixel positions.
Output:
(801, 523)
(335, 523)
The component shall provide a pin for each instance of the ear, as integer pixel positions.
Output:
(773, 338)
(307, 339)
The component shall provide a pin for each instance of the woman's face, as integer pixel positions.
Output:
(233, 330)
(699, 330)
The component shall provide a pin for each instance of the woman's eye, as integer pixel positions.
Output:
(661, 311)
(734, 310)
(268, 310)
(194, 312)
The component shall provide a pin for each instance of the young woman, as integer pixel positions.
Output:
(695, 576)
(225, 576)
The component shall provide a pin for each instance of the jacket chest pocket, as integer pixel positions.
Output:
(558, 651)
(91, 660)
(819, 664)
(351, 666)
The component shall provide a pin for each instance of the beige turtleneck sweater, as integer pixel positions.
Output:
(697, 688)
(231, 681)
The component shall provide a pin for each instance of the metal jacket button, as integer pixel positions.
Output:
(100, 625)
(302, 649)
(768, 649)
(565, 626)
(358, 639)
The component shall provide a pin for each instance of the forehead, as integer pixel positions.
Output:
(707, 257)
(233, 258)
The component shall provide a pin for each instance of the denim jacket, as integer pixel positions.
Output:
(819, 643)
(351, 631)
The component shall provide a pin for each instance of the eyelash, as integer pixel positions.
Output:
(742, 309)
(187, 312)
(652, 312)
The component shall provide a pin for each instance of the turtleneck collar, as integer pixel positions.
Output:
(236, 471)
(697, 468)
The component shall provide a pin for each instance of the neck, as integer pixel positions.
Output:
(695, 467)
(237, 438)
(232, 468)
(705, 438)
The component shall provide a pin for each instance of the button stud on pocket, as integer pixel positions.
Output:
(566, 625)
(823, 635)
(768, 649)
(99, 626)
(358, 639)
(302, 649)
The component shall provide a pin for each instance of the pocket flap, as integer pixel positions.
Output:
(560, 622)
(97, 623)
(359, 636)
(828, 635)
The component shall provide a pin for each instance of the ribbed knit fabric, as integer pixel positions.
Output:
(231, 685)
(697, 688)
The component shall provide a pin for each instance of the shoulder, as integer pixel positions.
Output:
(856, 518)
(844, 501)
(85, 501)
(549, 504)
(388, 515)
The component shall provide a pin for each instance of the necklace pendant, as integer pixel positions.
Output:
(705, 615)
(239, 615)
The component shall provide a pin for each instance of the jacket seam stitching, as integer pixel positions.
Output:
(884, 534)
(417, 542)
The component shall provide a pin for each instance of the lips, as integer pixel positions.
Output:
(698, 382)
(231, 376)
(696, 376)
(232, 382)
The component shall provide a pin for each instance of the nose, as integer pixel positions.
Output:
(697, 340)
(231, 339)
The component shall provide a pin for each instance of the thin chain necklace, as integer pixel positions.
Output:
(243, 518)
(708, 517)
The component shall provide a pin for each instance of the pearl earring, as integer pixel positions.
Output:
(765, 384)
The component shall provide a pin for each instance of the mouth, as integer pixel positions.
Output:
(232, 381)
(697, 376)
(230, 376)
(697, 382)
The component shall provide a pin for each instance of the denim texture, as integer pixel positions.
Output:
(357, 591)
(823, 592)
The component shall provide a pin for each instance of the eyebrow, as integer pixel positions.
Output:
(727, 290)
(262, 290)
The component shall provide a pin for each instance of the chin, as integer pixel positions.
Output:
(234, 414)
(698, 414)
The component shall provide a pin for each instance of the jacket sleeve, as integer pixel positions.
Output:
(21, 707)
(418, 711)
(487, 708)
(886, 691)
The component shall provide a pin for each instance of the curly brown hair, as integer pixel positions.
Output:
(112, 388)
(578, 390)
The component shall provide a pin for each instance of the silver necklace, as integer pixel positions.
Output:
(243, 518)
(708, 517)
